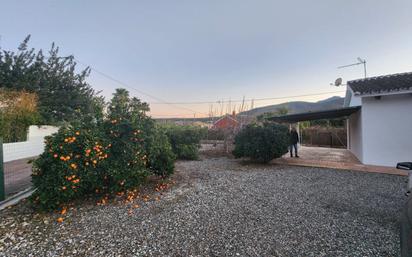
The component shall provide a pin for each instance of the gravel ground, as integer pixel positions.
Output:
(221, 207)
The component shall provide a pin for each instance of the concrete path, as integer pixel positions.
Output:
(333, 158)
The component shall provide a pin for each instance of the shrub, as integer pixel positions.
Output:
(71, 166)
(185, 141)
(262, 143)
(18, 110)
(127, 167)
(105, 156)
(215, 134)
(160, 152)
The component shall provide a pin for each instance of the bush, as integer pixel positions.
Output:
(161, 156)
(185, 141)
(18, 110)
(105, 156)
(262, 143)
(70, 167)
(215, 134)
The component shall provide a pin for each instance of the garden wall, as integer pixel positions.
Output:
(32, 147)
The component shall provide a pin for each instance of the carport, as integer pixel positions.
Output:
(323, 156)
(316, 115)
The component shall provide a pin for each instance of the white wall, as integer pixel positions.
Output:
(34, 145)
(351, 99)
(387, 129)
(355, 134)
(41, 131)
(355, 101)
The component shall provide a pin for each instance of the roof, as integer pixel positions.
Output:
(318, 115)
(387, 84)
(227, 116)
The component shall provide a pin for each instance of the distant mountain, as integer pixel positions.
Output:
(293, 107)
(299, 106)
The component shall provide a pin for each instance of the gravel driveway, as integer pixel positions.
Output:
(220, 207)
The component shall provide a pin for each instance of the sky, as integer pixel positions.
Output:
(205, 51)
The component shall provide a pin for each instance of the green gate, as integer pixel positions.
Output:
(2, 193)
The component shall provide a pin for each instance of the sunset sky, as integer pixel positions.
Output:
(205, 51)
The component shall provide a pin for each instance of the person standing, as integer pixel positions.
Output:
(294, 139)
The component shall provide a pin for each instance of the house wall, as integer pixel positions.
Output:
(351, 99)
(355, 134)
(355, 101)
(387, 129)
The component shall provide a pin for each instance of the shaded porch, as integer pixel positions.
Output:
(333, 158)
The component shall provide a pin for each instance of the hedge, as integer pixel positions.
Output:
(262, 142)
(185, 140)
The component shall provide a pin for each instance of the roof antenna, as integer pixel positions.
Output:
(360, 61)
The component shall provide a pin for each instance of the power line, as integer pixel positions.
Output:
(176, 104)
(137, 90)
(252, 99)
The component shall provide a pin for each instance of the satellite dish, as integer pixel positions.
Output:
(338, 82)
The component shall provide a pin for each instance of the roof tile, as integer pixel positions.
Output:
(382, 84)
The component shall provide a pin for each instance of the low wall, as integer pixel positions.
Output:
(34, 146)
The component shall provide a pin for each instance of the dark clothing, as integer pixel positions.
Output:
(294, 137)
(291, 149)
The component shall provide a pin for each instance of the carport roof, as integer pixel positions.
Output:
(317, 115)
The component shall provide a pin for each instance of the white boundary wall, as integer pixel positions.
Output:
(34, 145)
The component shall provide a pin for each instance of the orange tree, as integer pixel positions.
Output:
(104, 156)
(70, 167)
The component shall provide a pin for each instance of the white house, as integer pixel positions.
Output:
(379, 118)
(380, 132)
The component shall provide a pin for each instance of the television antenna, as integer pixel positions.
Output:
(360, 61)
